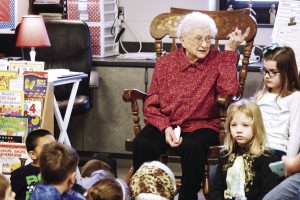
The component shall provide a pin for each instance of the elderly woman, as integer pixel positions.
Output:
(183, 93)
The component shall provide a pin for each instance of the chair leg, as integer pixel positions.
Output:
(164, 158)
(129, 175)
(206, 183)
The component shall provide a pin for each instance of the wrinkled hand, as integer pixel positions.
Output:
(236, 38)
(171, 139)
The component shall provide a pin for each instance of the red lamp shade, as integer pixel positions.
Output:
(32, 32)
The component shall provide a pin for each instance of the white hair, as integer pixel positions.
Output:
(196, 19)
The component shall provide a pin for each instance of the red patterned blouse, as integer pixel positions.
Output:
(185, 94)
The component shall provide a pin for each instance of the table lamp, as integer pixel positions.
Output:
(32, 33)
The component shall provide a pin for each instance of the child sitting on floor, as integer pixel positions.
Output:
(93, 171)
(58, 164)
(108, 189)
(5, 189)
(24, 179)
(243, 167)
(97, 170)
(153, 180)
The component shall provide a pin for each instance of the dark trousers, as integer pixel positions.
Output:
(151, 143)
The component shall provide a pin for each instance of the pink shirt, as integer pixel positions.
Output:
(185, 94)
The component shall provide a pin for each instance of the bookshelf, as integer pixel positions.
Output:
(44, 121)
(13, 154)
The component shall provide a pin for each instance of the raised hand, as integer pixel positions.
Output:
(235, 39)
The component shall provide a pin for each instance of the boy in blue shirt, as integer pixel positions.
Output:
(58, 164)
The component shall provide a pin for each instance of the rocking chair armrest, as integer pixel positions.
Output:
(132, 95)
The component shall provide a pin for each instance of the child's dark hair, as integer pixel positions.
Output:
(57, 162)
(287, 67)
(33, 136)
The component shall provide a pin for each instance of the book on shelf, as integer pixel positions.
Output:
(33, 123)
(5, 77)
(14, 126)
(12, 156)
(16, 83)
(33, 107)
(11, 103)
(22, 66)
(16, 132)
(35, 84)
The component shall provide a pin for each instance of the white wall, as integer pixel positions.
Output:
(23, 9)
(139, 14)
(263, 36)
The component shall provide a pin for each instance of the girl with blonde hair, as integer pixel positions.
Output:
(243, 168)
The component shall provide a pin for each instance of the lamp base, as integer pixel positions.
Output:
(32, 54)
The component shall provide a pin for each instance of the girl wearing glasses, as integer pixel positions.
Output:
(279, 101)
